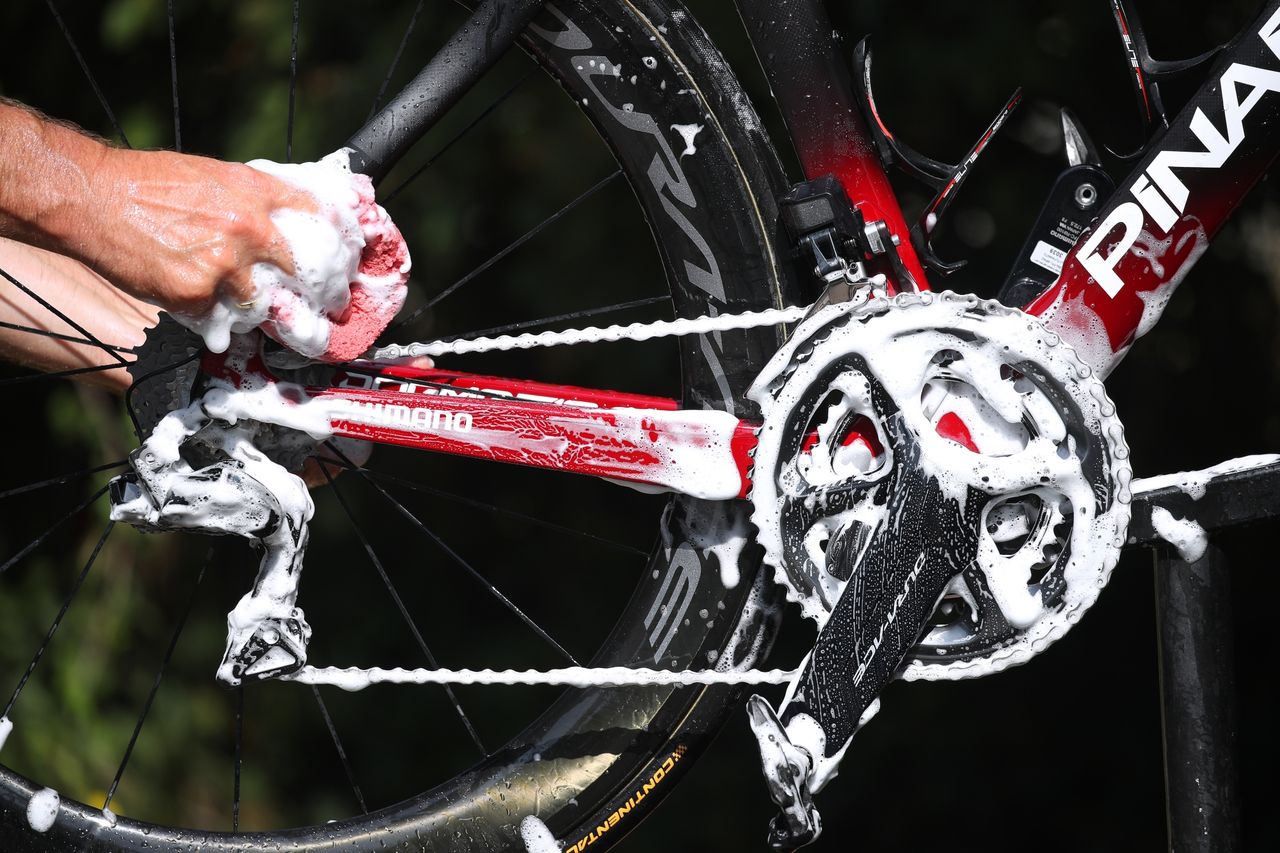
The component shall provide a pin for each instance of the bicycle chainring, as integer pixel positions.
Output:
(998, 404)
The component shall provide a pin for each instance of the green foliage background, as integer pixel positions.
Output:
(1070, 744)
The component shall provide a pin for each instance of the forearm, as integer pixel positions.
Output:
(111, 316)
(47, 176)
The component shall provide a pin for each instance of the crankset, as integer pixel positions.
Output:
(942, 485)
(1006, 419)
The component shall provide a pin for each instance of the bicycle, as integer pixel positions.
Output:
(766, 183)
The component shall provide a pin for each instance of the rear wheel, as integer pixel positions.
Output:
(595, 760)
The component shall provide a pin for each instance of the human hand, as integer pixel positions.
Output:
(182, 232)
(300, 250)
(351, 264)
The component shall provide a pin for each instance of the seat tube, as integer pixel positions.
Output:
(797, 47)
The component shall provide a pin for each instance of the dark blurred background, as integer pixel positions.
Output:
(1064, 754)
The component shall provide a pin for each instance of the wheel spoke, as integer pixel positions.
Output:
(111, 351)
(59, 336)
(155, 685)
(487, 507)
(84, 66)
(35, 543)
(293, 83)
(342, 753)
(238, 760)
(173, 78)
(395, 61)
(59, 374)
(404, 611)
(61, 478)
(453, 555)
(57, 620)
(467, 128)
(519, 241)
(558, 318)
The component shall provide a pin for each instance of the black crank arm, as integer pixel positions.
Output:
(928, 539)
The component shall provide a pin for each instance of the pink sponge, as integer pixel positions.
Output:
(377, 290)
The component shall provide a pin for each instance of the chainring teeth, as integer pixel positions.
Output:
(163, 372)
(802, 359)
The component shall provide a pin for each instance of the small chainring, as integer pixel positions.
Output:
(998, 405)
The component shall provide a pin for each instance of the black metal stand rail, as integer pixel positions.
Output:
(1197, 660)
(1198, 701)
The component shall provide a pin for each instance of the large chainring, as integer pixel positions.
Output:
(1001, 409)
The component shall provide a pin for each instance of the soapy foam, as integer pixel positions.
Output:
(688, 132)
(696, 461)
(350, 263)
(358, 678)
(1185, 535)
(537, 838)
(241, 501)
(805, 732)
(715, 533)
(747, 644)
(280, 403)
(1085, 328)
(42, 809)
(1196, 483)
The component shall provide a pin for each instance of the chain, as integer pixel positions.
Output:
(593, 334)
(358, 678)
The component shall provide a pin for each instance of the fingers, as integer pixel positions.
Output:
(421, 362)
(276, 251)
(262, 242)
(108, 315)
(280, 195)
(293, 198)
(239, 286)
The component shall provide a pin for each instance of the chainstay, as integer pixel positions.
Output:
(358, 678)
(593, 334)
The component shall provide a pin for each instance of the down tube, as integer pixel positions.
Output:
(1119, 276)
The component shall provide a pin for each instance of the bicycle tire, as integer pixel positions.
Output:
(713, 219)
